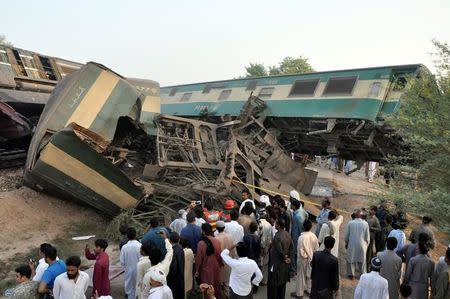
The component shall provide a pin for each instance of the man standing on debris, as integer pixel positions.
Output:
(100, 277)
(178, 224)
(175, 278)
(323, 215)
(72, 284)
(191, 232)
(391, 267)
(129, 257)
(357, 238)
(279, 262)
(208, 261)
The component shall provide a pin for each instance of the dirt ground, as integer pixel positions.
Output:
(29, 218)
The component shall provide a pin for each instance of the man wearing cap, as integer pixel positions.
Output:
(372, 285)
(159, 288)
(264, 200)
(226, 242)
(178, 224)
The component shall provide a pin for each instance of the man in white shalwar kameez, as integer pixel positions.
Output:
(129, 257)
(357, 238)
(307, 244)
(335, 222)
(372, 285)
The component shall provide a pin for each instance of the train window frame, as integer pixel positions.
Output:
(173, 91)
(251, 85)
(327, 94)
(266, 95)
(186, 97)
(317, 80)
(373, 94)
(224, 95)
(5, 55)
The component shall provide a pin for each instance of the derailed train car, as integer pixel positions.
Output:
(102, 141)
(26, 81)
(338, 112)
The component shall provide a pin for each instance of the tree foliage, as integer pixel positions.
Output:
(4, 42)
(423, 121)
(289, 65)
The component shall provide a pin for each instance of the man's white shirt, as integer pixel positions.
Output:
(372, 286)
(235, 230)
(66, 288)
(40, 269)
(242, 270)
(162, 292)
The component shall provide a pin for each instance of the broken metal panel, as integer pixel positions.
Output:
(12, 124)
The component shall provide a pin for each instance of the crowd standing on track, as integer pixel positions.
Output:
(230, 252)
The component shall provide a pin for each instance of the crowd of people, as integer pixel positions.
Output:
(231, 252)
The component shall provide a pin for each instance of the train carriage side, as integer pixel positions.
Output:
(301, 106)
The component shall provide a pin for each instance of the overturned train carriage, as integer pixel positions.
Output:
(102, 141)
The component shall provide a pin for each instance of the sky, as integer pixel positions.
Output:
(177, 42)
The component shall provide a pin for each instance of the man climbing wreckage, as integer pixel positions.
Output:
(102, 141)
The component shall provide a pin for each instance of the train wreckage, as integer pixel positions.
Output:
(103, 142)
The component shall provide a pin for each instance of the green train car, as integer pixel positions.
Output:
(322, 113)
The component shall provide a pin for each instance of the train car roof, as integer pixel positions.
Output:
(392, 67)
(40, 54)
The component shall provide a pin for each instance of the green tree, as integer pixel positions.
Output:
(4, 42)
(423, 121)
(292, 65)
(255, 70)
(289, 65)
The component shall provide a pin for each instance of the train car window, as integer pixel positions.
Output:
(305, 87)
(225, 94)
(399, 83)
(4, 57)
(207, 88)
(251, 85)
(173, 92)
(266, 92)
(47, 68)
(374, 90)
(340, 86)
(30, 66)
(186, 96)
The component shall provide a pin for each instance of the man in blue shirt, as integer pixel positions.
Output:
(191, 232)
(299, 216)
(153, 236)
(55, 268)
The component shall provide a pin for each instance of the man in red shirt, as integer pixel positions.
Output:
(211, 215)
(100, 278)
